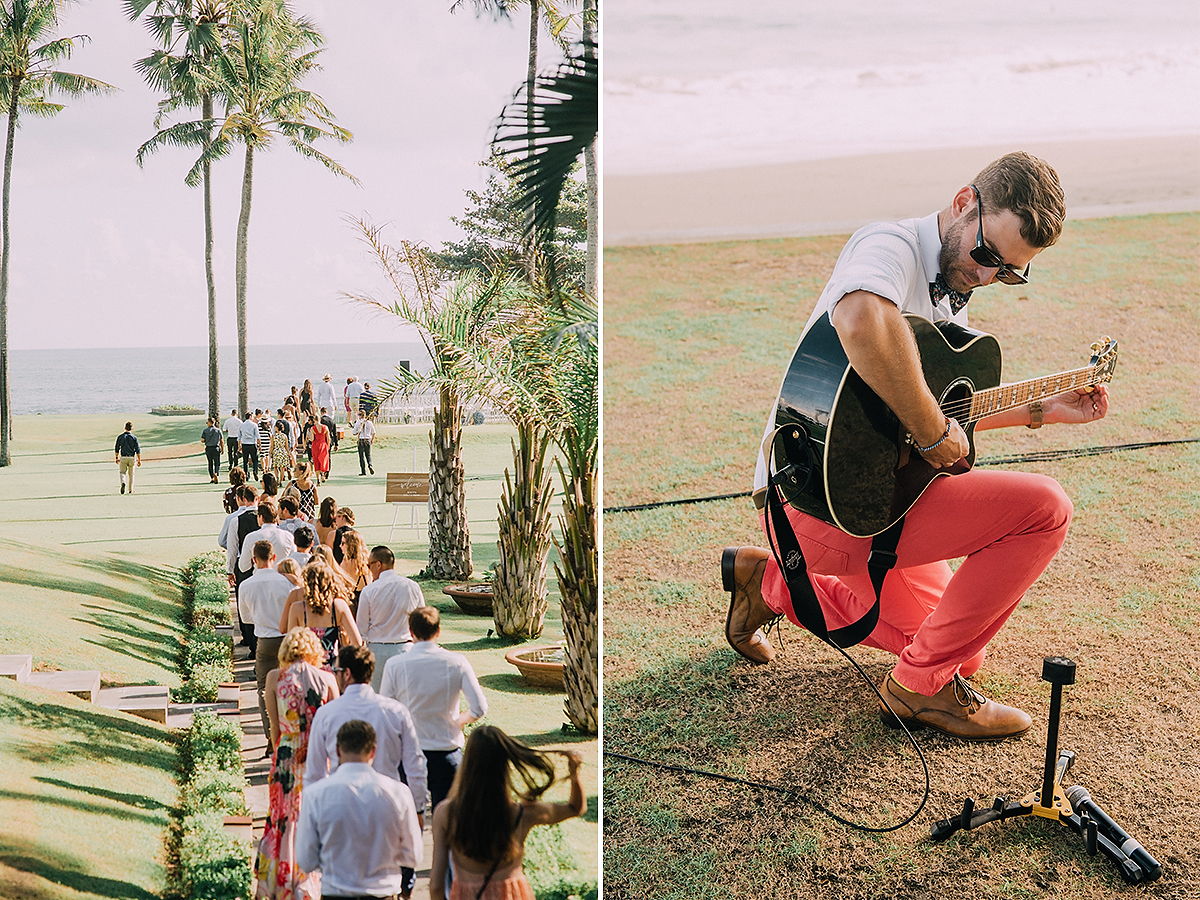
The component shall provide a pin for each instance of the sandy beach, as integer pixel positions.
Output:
(1126, 176)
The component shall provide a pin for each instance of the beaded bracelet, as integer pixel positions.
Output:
(945, 434)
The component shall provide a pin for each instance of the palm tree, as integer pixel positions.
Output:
(190, 35)
(29, 53)
(549, 13)
(457, 322)
(258, 77)
(543, 131)
(578, 550)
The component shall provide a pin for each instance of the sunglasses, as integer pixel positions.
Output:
(989, 260)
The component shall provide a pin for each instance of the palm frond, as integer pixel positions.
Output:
(565, 117)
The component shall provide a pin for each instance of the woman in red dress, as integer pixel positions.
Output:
(320, 448)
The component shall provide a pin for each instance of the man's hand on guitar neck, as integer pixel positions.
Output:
(1077, 407)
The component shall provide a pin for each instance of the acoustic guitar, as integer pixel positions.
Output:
(841, 453)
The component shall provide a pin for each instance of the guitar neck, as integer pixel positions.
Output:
(1009, 396)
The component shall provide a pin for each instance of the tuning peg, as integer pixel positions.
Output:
(1097, 345)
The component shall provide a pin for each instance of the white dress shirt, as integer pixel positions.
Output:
(359, 828)
(325, 397)
(383, 608)
(281, 542)
(396, 741)
(228, 536)
(232, 426)
(248, 432)
(428, 679)
(301, 557)
(260, 600)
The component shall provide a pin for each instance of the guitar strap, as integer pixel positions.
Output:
(790, 559)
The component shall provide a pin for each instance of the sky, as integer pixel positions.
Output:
(104, 254)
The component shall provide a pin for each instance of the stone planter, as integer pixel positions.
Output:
(540, 666)
(473, 599)
(176, 411)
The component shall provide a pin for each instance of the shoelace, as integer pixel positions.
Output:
(967, 696)
(775, 623)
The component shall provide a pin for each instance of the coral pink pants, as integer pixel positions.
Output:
(1008, 525)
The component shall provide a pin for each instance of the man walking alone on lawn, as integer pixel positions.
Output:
(127, 452)
(211, 438)
(1007, 525)
(364, 430)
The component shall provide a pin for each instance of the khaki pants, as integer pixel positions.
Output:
(266, 658)
(126, 467)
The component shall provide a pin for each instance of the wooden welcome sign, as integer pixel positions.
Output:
(407, 487)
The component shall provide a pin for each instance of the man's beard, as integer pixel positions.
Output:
(957, 276)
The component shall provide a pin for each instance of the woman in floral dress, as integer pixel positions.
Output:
(281, 451)
(293, 692)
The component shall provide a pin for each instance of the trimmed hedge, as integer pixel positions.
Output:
(204, 861)
(205, 657)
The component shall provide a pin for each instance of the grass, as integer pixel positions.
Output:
(89, 580)
(84, 799)
(696, 338)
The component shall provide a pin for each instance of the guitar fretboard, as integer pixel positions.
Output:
(1009, 396)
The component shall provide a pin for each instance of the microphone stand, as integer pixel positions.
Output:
(1072, 807)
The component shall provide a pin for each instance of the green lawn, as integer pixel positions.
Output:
(87, 576)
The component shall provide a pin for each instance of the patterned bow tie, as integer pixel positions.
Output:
(939, 289)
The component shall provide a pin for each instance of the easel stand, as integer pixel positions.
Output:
(1072, 807)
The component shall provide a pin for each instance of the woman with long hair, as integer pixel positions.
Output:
(237, 477)
(281, 450)
(327, 521)
(325, 611)
(293, 694)
(354, 566)
(306, 398)
(321, 442)
(483, 828)
(304, 490)
(270, 485)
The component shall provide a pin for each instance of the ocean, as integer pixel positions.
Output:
(136, 379)
(694, 85)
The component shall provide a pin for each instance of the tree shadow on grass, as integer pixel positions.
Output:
(97, 590)
(155, 648)
(81, 733)
(83, 806)
(141, 801)
(59, 869)
(512, 684)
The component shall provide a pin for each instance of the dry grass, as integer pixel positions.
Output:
(695, 341)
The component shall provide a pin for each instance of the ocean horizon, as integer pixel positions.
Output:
(133, 380)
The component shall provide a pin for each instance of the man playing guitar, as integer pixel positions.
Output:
(1007, 525)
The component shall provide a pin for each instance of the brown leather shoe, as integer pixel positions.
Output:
(957, 710)
(741, 574)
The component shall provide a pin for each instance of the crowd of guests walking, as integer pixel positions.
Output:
(303, 427)
(361, 707)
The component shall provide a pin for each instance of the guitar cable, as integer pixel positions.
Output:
(1039, 456)
(1036, 456)
(801, 797)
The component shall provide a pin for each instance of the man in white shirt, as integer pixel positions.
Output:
(354, 390)
(248, 438)
(281, 540)
(383, 608)
(261, 600)
(232, 428)
(323, 396)
(364, 430)
(398, 749)
(357, 826)
(239, 524)
(428, 680)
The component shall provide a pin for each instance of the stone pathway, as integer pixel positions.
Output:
(258, 766)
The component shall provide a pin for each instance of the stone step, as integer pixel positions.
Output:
(16, 665)
(179, 715)
(148, 701)
(83, 683)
